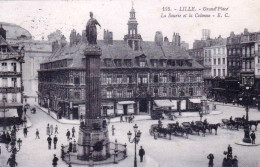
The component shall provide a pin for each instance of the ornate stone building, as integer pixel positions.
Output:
(136, 75)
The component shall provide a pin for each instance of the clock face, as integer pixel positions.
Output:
(98, 146)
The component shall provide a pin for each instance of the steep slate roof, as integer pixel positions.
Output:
(120, 50)
(11, 54)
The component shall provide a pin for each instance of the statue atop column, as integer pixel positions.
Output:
(91, 30)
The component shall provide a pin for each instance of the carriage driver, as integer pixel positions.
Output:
(192, 122)
(231, 119)
(243, 118)
(205, 122)
(177, 123)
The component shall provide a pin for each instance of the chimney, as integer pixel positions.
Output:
(205, 34)
(232, 34)
(73, 37)
(2, 32)
(63, 41)
(108, 37)
(84, 38)
(176, 39)
(78, 38)
(158, 39)
(166, 41)
(55, 45)
(246, 31)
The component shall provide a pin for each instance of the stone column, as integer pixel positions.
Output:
(93, 134)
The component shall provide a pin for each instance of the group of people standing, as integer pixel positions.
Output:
(50, 130)
(228, 161)
(129, 119)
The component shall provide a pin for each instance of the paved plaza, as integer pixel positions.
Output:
(178, 152)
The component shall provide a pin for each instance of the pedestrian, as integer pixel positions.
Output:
(125, 118)
(211, 158)
(55, 161)
(129, 119)
(37, 134)
(68, 134)
(48, 129)
(108, 121)
(201, 115)
(133, 117)
(55, 140)
(81, 117)
(141, 153)
(73, 131)
(24, 121)
(225, 162)
(11, 162)
(0, 150)
(229, 153)
(113, 130)
(51, 129)
(235, 162)
(121, 118)
(49, 111)
(49, 139)
(69, 164)
(252, 135)
(56, 129)
(155, 134)
(25, 131)
(70, 146)
(25, 111)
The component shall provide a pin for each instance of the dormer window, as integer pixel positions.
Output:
(128, 63)
(118, 62)
(107, 62)
(163, 63)
(154, 63)
(142, 63)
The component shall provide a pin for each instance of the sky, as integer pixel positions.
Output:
(41, 18)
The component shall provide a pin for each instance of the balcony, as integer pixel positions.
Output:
(252, 70)
(10, 90)
(9, 73)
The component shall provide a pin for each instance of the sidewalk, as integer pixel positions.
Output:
(195, 114)
(77, 122)
(231, 105)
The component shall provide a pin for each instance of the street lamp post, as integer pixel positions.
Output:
(135, 140)
(12, 146)
(245, 98)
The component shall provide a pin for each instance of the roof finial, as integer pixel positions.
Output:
(132, 4)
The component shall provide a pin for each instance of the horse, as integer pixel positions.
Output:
(251, 123)
(215, 127)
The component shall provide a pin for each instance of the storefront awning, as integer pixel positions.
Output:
(9, 113)
(164, 103)
(126, 102)
(195, 100)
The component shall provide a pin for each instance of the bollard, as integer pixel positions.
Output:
(74, 148)
(125, 151)
(115, 157)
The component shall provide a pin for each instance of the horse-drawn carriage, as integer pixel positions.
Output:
(238, 122)
(184, 129)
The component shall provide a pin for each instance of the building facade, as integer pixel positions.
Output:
(35, 51)
(11, 85)
(136, 76)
